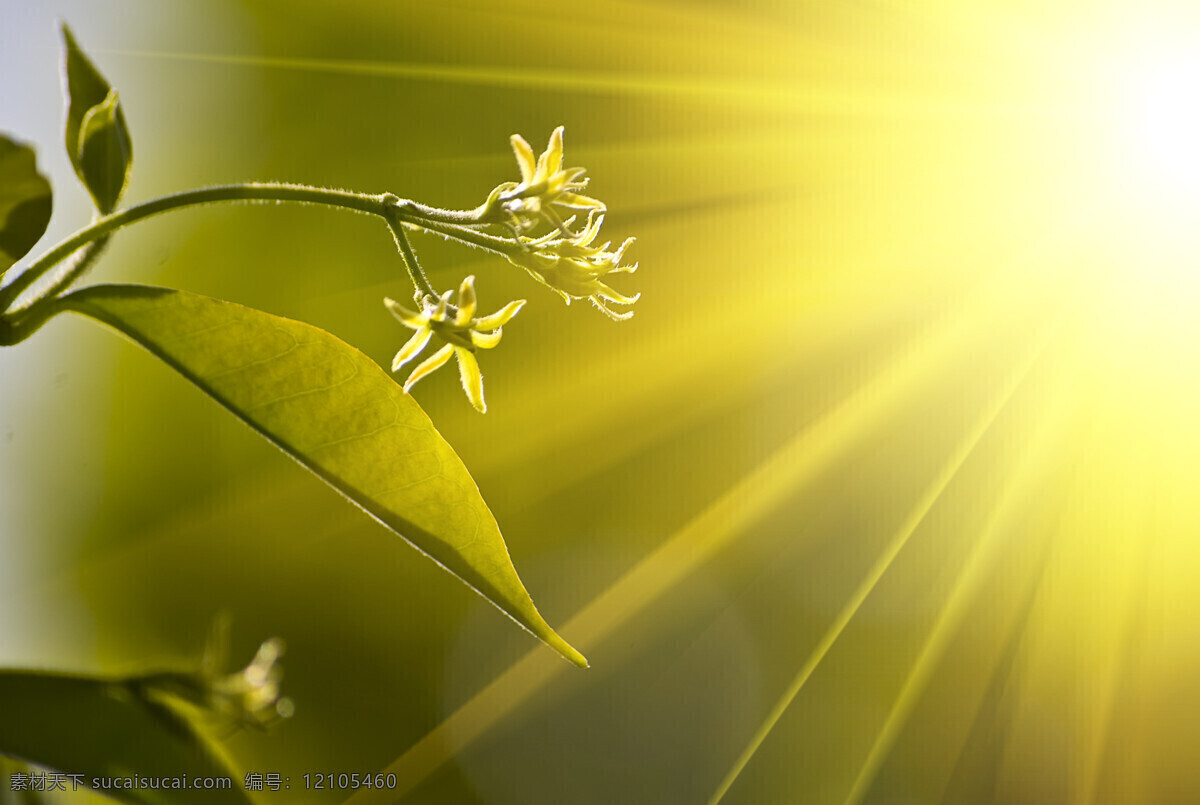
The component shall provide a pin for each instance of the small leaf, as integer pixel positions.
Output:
(25, 201)
(339, 414)
(105, 152)
(87, 90)
(128, 734)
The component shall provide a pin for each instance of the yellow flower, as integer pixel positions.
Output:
(461, 331)
(544, 184)
(575, 269)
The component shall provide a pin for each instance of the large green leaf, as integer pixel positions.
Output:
(109, 728)
(336, 412)
(97, 137)
(25, 201)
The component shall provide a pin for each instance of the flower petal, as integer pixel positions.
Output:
(432, 363)
(547, 239)
(406, 316)
(466, 301)
(472, 380)
(620, 252)
(550, 161)
(576, 178)
(611, 313)
(525, 159)
(500, 317)
(579, 202)
(590, 231)
(439, 311)
(413, 348)
(485, 340)
(608, 293)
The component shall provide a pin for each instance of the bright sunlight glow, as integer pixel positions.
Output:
(1133, 146)
(1164, 116)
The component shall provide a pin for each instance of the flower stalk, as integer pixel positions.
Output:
(565, 261)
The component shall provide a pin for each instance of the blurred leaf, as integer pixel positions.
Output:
(17, 796)
(336, 412)
(128, 734)
(25, 201)
(103, 164)
(105, 152)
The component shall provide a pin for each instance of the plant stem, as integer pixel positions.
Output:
(17, 325)
(472, 237)
(238, 192)
(412, 209)
(16, 328)
(84, 259)
(415, 272)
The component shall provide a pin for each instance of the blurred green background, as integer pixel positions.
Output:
(884, 495)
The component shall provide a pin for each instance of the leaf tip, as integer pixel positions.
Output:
(566, 650)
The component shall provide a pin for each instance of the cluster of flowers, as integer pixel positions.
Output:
(567, 262)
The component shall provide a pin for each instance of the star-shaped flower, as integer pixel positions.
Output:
(544, 184)
(461, 331)
(575, 269)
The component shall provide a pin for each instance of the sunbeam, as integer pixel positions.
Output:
(886, 493)
(983, 555)
(882, 563)
(711, 531)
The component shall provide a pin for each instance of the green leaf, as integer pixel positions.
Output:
(110, 155)
(23, 796)
(105, 152)
(339, 414)
(129, 733)
(25, 201)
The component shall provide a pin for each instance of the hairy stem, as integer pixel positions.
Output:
(415, 272)
(17, 325)
(84, 258)
(409, 209)
(207, 195)
(472, 237)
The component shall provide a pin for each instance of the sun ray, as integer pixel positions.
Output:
(812, 184)
(965, 782)
(1114, 672)
(808, 98)
(793, 465)
(923, 506)
(984, 553)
